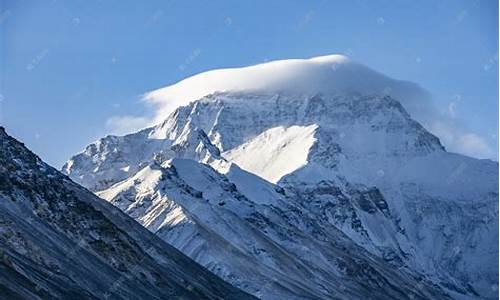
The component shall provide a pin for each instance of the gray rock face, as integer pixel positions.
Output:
(59, 241)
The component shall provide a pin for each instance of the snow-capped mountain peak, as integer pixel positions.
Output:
(319, 146)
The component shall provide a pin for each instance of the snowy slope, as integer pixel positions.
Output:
(341, 148)
(281, 151)
(59, 241)
(260, 242)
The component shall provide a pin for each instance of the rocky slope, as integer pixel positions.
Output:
(344, 161)
(59, 241)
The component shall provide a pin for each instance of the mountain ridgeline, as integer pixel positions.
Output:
(316, 183)
(60, 241)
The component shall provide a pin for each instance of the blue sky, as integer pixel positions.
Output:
(68, 67)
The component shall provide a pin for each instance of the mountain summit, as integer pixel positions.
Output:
(306, 179)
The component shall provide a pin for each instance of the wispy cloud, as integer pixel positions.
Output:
(460, 140)
(120, 125)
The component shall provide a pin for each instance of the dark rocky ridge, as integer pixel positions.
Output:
(60, 241)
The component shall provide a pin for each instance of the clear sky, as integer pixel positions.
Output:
(69, 67)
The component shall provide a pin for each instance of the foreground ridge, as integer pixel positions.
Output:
(59, 241)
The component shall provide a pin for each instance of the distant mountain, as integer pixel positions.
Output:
(325, 185)
(60, 241)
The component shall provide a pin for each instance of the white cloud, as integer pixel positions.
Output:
(120, 125)
(459, 140)
(475, 145)
(452, 109)
(323, 74)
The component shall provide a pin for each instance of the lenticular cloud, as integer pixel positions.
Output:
(330, 74)
(324, 74)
